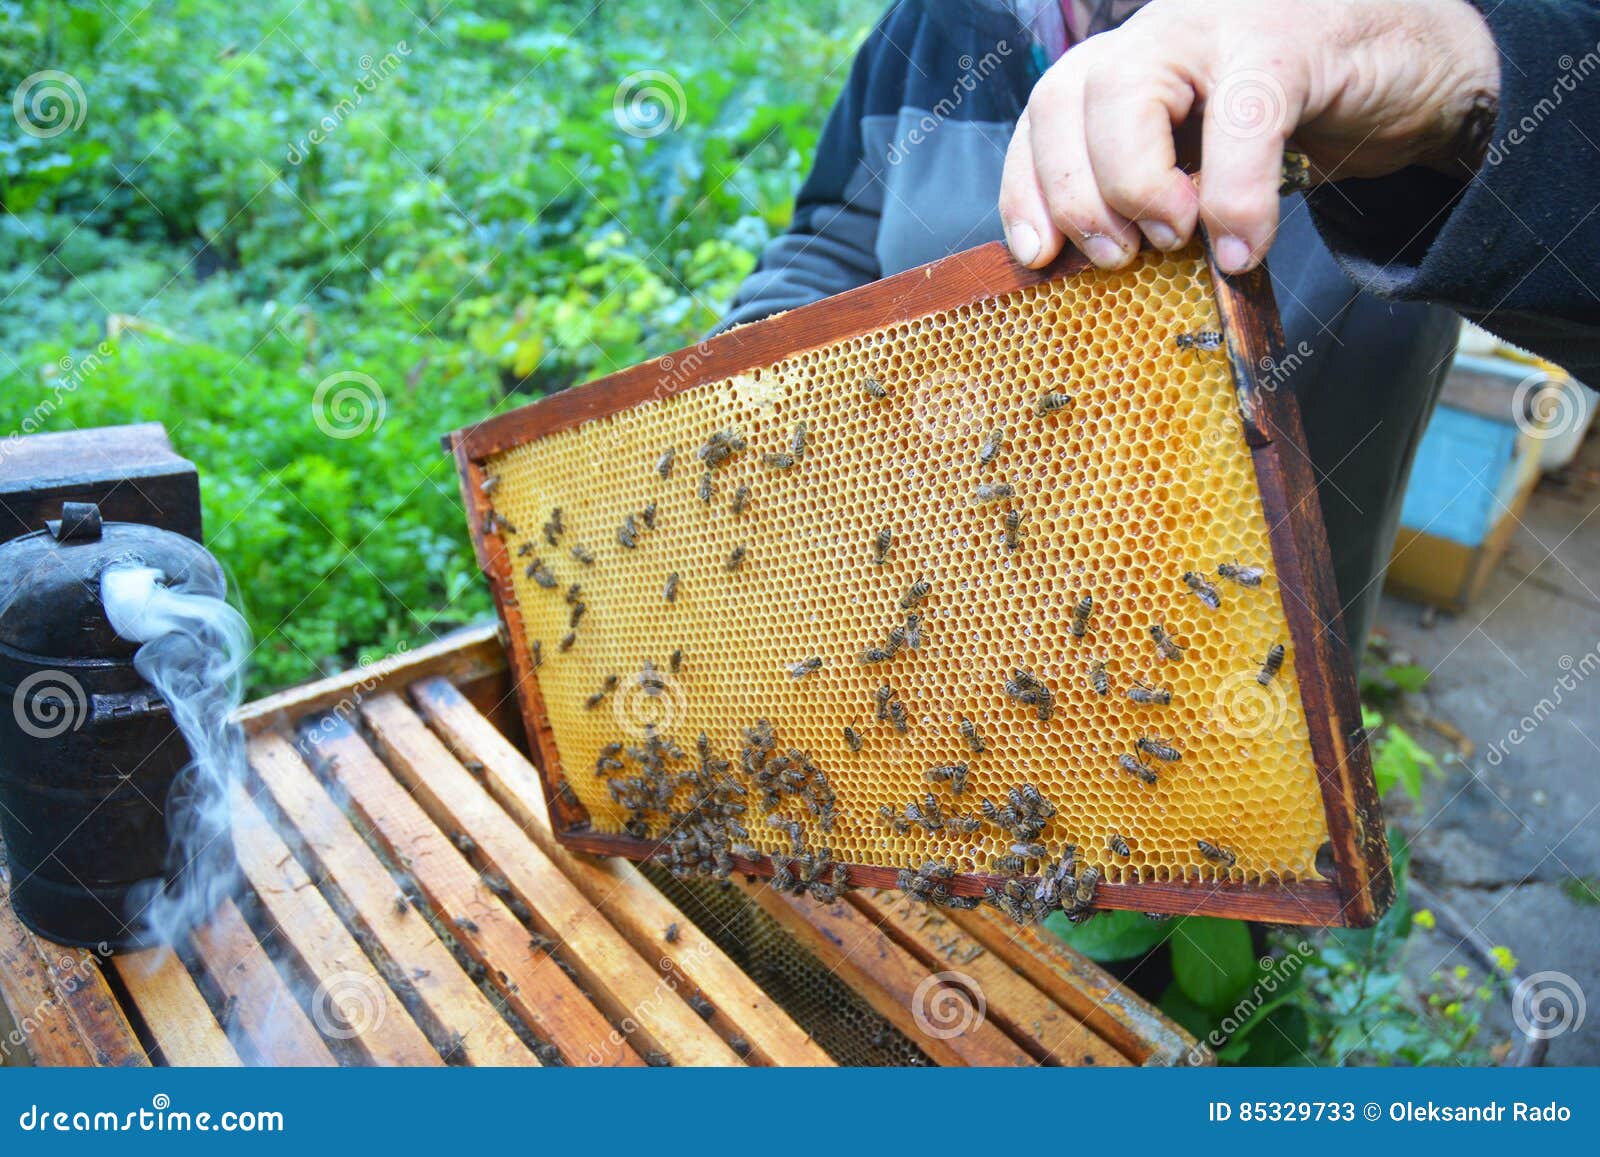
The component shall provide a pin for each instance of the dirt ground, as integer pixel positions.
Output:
(1510, 836)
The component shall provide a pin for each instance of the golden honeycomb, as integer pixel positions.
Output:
(1142, 477)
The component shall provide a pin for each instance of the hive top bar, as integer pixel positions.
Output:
(980, 583)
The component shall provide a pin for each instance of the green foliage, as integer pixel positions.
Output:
(262, 196)
(1112, 936)
(1398, 760)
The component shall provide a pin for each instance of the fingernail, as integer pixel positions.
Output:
(1103, 251)
(1233, 255)
(1024, 242)
(1162, 235)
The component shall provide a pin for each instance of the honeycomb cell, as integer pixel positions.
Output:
(1144, 476)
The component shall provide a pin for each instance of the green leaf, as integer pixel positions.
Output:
(1212, 960)
(1111, 935)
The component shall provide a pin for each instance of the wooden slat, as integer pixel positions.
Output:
(533, 985)
(49, 1034)
(384, 1033)
(1028, 1014)
(412, 948)
(886, 976)
(635, 906)
(624, 983)
(1141, 1032)
(174, 1011)
(264, 1008)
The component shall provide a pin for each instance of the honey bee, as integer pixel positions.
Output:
(783, 877)
(1116, 845)
(628, 533)
(541, 574)
(914, 595)
(649, 514)
(876, 655)
(573, 590)
(993, 492)
(721, 446)
(664, 463)
(578, 610)
(912, 634)
(782, 460)
(1098, 679)
(1245, 576)
(606, 764)
(703, 491)
(675, 662)
(553, 529)
(891, 818)
(873, 388)
(470, 927)
(969, 732)
(1206, 339)
(669, 590)
(897, 717)
(1273, 663)
(581, 553)
(1013, 529)
(1143, 772)
(735, 557)
(1203, 590)
(525, 550)
(1159, 748)
(1051, 402)
(740, 497)
(806, 667)
(1029, 851)
(1142, 692)
(882, 696)
(1083, 893)
(1035, 802)
(955, 774)
(964, 824)
(402, 905)
(702, 1006)
(880, 545)
(990, 449)
(852, 739)
(797, 441)
(567, 640)
(1216, 854)
(1165, 647)
(1010, 865)
(538, 654)
(1080, 616)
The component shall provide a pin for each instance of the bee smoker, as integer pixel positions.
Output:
(88, 750)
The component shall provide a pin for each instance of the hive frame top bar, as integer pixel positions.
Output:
(1357, 886)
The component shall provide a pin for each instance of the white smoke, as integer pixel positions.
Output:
(192, 650)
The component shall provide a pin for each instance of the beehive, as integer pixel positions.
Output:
(931, 419)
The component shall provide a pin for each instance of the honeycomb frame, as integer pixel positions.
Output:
(1174, 348)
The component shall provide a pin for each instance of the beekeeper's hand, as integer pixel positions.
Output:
(1365, 88)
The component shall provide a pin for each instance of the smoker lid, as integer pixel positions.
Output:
(50, 581)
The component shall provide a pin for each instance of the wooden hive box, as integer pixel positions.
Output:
(406, 903)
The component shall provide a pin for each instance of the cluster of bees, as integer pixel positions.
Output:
(702, 808)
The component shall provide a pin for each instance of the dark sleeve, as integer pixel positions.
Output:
(1516, 248)
(831, 244)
